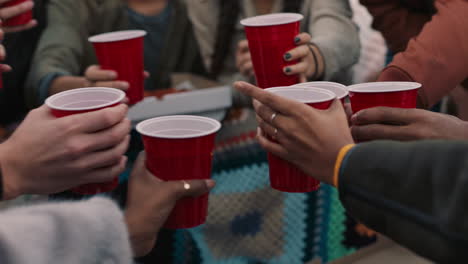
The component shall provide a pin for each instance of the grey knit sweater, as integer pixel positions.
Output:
(85, 232)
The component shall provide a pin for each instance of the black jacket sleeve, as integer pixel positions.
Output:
(415, 193)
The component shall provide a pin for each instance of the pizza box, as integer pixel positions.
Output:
(200, 96)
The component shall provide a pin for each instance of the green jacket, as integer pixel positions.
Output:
(64, 47)
(414, 193)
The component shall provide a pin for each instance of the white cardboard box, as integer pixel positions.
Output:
(205, 98)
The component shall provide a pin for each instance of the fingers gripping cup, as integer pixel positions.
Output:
(181, 148)
(340, 90)
(390, 94)
(21, 19)
(122, 51)
(83, 100)
(270, 37)
(285, 176)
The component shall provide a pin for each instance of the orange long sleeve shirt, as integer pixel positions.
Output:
(437, 57)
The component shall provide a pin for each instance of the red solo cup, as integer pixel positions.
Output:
(181, 148)
(122, 51)
(21, 19)
(84, 100)
(340, 90)
(390, 94)
(285, 176)
(270, 37)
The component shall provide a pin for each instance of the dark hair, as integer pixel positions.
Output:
(227, 21)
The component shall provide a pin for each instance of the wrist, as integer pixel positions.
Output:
(339, 163)
(318, 61)
(10, 187)
(142, 240)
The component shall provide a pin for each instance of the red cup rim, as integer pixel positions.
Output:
(117, 36)
(329, 96)
(141, 126)
(340, 90)
(271, 20)
(383, 87)
(50, 100)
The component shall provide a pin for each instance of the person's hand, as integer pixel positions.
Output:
(311, 64)
(47, 155)
(150, 201)
(309, 138)
(98, 77)
(405, 125)
(7, 12)
(243, 59)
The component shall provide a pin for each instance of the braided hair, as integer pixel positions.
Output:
(227, 20)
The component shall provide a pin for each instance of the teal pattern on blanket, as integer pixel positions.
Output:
(251, 223)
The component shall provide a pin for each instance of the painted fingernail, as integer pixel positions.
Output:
(287, 70)
(287, 56)
(297, 40)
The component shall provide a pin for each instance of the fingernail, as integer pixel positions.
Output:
(259, 131)
(28, 4)
(287, 56)
(210, 184)
(112, 75)
(125, 85)
(297, 40)
(354, 118)
(287, 70)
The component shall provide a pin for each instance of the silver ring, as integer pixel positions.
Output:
(272, 118)
(186, 185)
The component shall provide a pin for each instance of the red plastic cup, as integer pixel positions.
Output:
(270, 37)
(181, 148)
(390, 94)
(84, 100)
(122, 51)
(285, 176)
(340, 90)
(20, 19)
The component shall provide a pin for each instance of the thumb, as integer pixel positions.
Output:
(193, 188)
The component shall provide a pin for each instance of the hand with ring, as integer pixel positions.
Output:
(151, 200)
(307, 137)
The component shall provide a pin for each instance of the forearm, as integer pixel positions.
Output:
(8, 188)
(438, 57)
(397, 22)
(411, 192)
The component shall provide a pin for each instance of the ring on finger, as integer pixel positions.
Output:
(273, 117)
(186, 185)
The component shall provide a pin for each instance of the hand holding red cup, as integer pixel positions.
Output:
(122, 53)
(181, 148)
(285, 176)
(84, 100)
(17, 15)
(270, 37)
